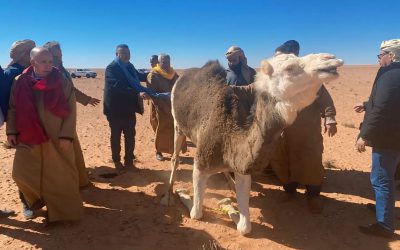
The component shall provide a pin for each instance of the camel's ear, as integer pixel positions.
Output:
(266, 68)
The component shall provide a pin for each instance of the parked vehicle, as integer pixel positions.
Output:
(82, 72)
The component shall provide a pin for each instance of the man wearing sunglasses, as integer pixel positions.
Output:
(381, 130)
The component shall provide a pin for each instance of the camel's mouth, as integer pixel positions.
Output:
(331, 70)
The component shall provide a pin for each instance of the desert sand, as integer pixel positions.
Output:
(123, 212)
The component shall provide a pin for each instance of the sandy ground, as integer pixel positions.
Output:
(124, 212)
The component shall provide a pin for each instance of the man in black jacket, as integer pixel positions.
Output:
(121, 102)
(381, 130)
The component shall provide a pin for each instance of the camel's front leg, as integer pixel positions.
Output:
(199, 186)
(243, 184)
(179, 138)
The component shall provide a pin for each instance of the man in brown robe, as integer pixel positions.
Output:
(41, 125)
(55, 49)
(298, 158)
(161, 79)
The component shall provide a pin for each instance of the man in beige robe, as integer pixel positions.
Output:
(161, 79)
(55, 49)
(298, 158)
(44, 166)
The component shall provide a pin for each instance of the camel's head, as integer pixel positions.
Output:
(294, 80)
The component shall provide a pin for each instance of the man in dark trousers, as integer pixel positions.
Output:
(381, 130)
(121, 103)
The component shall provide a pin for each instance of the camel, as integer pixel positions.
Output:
(229, 138)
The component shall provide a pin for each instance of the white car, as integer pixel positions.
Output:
(83, 72)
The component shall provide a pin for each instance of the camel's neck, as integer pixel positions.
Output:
(256, 143)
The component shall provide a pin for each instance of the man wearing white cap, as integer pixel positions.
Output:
(381, 130)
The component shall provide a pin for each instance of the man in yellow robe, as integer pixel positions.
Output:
(161, 79)
(41, 125)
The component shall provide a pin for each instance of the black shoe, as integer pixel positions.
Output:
(119, 167)
(6, 213)
(159, 157)
(376, 230)
(131, 167)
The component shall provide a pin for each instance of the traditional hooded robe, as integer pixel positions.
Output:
(44, 173)
(161, 119)
(298, 157)
(83, 99)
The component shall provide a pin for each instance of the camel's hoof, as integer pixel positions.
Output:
(167, 200)
(196, 214)
(244, 228)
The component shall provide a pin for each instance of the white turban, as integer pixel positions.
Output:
(392, 46)
(20, 48)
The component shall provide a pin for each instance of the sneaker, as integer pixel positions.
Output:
(159, 157)
(376, 230)
(28, 214)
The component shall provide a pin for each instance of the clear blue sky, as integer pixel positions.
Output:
(193, 32)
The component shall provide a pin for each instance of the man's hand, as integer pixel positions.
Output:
(12, 140)
(331, 129)
(359, 108)
(360, 145)
(64, 144)
(144, 96)
(94, 102)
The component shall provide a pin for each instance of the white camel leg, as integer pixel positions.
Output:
(178, 141)
(199, 187)
(243, 184)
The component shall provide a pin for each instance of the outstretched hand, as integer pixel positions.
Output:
(331, 129)
(360, 145)
(359, 108)
(144, 96)
(12, 140)
(94, 102)
(64, 144)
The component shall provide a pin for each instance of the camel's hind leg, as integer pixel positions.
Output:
(243, 184)
(199, 186)
(230, 180)
(179, 138)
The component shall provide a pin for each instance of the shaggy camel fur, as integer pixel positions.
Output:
(229, 138)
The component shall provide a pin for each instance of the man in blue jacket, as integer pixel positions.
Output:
(381, 130)
(121, 103)
(20, 59)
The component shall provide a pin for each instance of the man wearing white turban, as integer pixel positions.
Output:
(20, 59)
(381, 130)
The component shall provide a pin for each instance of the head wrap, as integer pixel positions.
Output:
(235, 51)
(289, 47)
(20, 48)
(392, 46)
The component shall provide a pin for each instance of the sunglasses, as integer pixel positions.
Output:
(382, 55)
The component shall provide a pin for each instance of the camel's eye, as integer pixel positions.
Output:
(291, 68)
